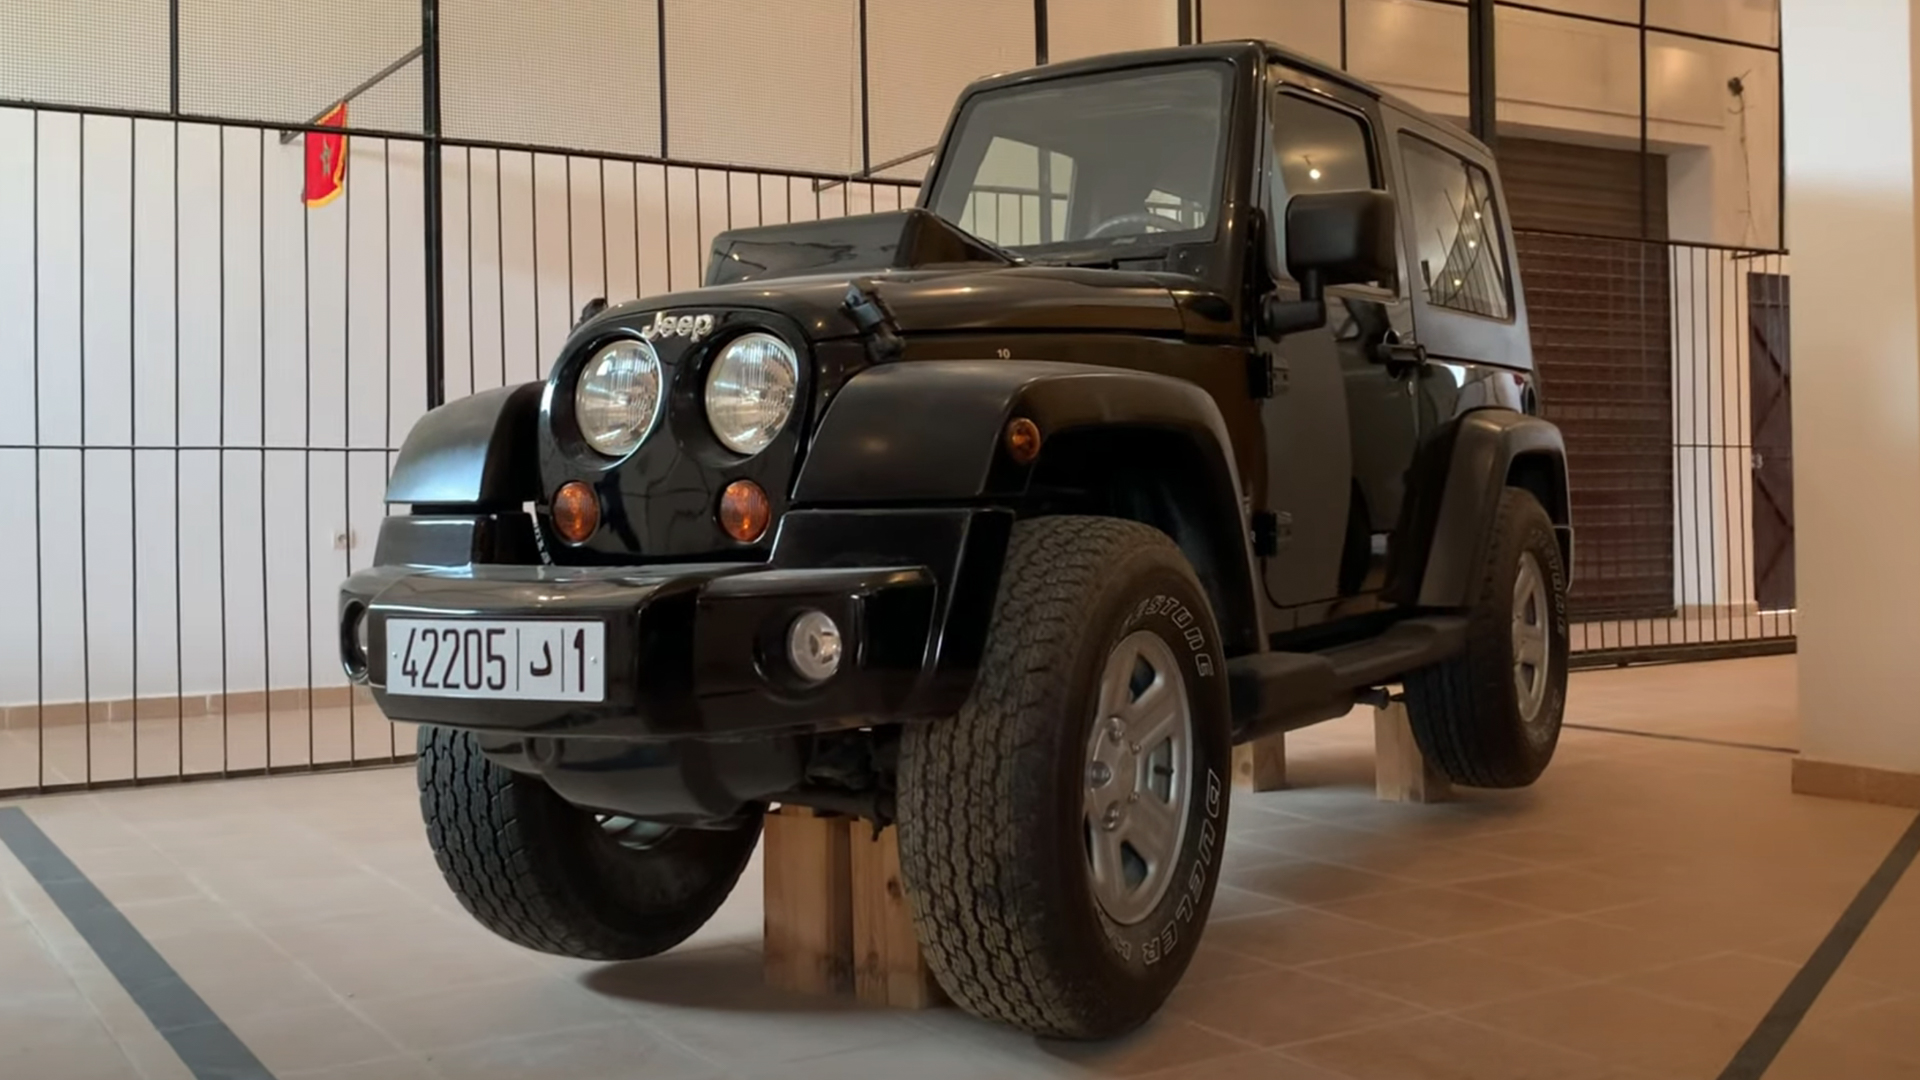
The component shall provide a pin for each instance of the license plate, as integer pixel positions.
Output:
(524, 658)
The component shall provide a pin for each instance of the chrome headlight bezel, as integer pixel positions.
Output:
(749, 375)
(618, 439)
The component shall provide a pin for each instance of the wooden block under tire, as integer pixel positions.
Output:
(1401, 773)
(1261, 765)
(808, 902)
(888, 968)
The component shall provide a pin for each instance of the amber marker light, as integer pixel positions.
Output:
(745, 511)
(576, 512)
(1023, 440)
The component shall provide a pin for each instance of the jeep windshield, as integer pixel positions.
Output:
(1114, 165)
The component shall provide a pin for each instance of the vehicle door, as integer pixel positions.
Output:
(1340, 424)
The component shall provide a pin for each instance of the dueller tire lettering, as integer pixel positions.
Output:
(993, 840)
(541, 873)
(1466, 713)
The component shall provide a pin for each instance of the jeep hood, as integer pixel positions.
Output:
(930, 276)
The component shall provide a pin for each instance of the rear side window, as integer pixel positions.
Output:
(1457, 241)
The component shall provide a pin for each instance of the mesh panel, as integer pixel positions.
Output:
(1413, 46)
(766, 82)
(105, 53)
(285, 61)
(1077, 28)
(517, 72)
(1756, 22)
(920, 57)
(1308, 27)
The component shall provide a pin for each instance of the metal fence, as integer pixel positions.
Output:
(208, 380)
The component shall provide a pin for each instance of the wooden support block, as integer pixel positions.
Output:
(1261, 765)
(1401, 773)
(809, 902)
(888, 968)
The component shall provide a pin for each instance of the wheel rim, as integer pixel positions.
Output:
(1532, 659)
(1137, 777)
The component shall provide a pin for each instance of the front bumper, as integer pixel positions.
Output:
(691, 650)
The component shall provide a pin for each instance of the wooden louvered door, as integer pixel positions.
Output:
(1599, 307)
(1771, 368)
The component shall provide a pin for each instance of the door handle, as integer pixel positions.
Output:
(1394, 349)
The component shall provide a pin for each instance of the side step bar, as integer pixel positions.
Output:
(1277, 691)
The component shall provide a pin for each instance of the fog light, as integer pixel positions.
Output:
(353, 641)
(576, 512)
(813, 646)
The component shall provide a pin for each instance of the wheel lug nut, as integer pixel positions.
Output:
(1112, 819)
(1133, 748)
(1133, 797)
(1116, 730)
(1100, 774)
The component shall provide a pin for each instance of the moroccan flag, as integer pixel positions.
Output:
(327, 159)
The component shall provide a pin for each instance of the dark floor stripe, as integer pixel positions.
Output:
(1775, 1028)
(1701, 739)
(209, 1049)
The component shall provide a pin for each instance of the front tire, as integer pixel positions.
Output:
(1491, 717)
(1060, 837)
(543, 873)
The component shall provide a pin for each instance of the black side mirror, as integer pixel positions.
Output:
(591, 308)
(1333, 238)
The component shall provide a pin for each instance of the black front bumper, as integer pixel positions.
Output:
(690, 650)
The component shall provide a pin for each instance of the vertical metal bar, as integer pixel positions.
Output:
(220, 189)
(386, 285)
(86, 615)
(133, 419)
(1199, 20)
(699, 230)
(573, 299)
(436, 306)
(1040, 31)
(39, 557)
(179, 637)
(1646, 204)
(1780, 152)
(533, 226)
(346, 414)
(637, 291)
(1343, 35)
(666, 216)
(472, 376)
(499, 259)
(1184, 16)
(173, 59)
(866, 106)
(603, 229)
(1482, 94)
(660, 36)
(266, 605)
(1695, 414)
(306, 449)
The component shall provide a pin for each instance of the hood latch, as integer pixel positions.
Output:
(875, 322)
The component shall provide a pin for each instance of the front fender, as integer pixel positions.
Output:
(932, 431)
(479, 452)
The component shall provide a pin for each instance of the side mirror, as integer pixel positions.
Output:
(1333, 238)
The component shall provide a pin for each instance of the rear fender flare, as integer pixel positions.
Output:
(1491, 449)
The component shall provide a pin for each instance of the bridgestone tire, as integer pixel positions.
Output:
(1467, 713)
(542, 873)
(994, 838)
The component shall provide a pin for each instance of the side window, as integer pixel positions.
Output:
(1020, 195)
(1316, 148)
(1457, 240)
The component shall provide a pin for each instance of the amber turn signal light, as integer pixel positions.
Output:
(745, 511)
(1023, 440)
(576, 511)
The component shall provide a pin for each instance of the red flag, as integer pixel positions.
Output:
(327, 159)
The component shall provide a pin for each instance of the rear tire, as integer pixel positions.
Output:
(1491, 717)
(1060, 837)
(543, 873)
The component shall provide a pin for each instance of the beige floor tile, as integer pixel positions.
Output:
(326, 1037)
(1889, 1029)
(1302, 936)
(1564, 892)
(1813, 1056)
(1551, 846)
(1747, 986)
(1437, 912)
(618, 1051)
(393, 1068)
(1276, 1008)
(1255, 1065)
(1444, 1048)
(1584, 948)
(464, 1014)
(1304, 881)
(1212, 963)
(1623, 1026)
(1440, 976)
(1230, 902)
(1426, 861)
(1165, 1042)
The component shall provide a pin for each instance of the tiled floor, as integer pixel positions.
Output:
(1631, 917)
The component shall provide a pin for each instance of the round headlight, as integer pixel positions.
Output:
(617, 398)
(750, 391)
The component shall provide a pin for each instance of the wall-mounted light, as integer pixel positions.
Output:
(1312, 172)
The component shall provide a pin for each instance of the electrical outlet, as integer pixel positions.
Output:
(345, 540)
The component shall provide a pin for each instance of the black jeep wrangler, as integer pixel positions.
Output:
(1193, 403)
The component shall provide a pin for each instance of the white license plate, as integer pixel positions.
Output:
(539, 659)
